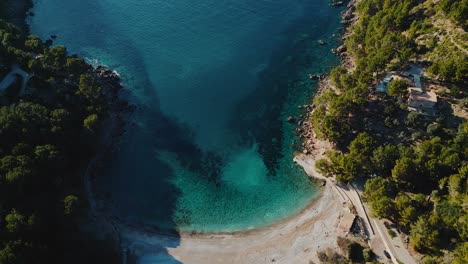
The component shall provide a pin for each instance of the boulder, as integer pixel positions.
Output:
(341, 49)
(313, 76)
(349, 13)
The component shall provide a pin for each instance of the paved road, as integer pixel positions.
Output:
(361, 211)
(10, 78)
(394, 246)
(376, 230)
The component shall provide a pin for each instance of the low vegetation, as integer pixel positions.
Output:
(351, 252)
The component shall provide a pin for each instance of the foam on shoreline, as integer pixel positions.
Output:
(249, 233)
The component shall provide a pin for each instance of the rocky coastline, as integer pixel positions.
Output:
(311, 145)
(120, 110)
(110, 133)
(16, 12)
(95, 225)
(114, 126)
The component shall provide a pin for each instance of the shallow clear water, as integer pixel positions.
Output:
(208, 148)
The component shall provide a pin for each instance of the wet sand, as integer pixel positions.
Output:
(296, 240)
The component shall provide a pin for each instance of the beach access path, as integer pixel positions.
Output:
(376, 229)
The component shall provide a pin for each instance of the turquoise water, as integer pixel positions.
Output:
(208, 148)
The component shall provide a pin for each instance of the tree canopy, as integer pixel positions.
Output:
(45, 139)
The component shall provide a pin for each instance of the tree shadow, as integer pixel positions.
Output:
(257, 116)
(135, 188)
(139, 183)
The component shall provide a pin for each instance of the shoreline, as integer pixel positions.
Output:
(190, 246)
(17, 12)
(213, 244)
(325, 208)
(111, 130)
(311, 145)
(241, 233)
(317, 222)
(378, 239)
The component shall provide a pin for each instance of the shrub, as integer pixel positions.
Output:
(391, 233)
(416, 135)
(343, 243)
(433, 128)
(398, 88)
(70, 203)
(355, 252)
(91, 122)
(368, 254)
(412, 119)
(464, 102)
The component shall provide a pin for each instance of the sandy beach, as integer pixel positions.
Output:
(294, 241)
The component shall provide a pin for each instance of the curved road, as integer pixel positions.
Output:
(376, 230)
(10, 78)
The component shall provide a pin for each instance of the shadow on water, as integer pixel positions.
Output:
(139, 184)
(286, 84)
(142, 193)
(129, 190)
(140, 187)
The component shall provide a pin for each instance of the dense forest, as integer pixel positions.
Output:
(415, 165)
(48, 133)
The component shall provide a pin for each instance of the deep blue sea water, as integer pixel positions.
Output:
(209, 148)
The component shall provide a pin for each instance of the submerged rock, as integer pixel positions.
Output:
(336, 3)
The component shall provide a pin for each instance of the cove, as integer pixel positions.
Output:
(208, 148)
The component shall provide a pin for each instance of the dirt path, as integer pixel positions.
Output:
(449, 29)
(457, 45)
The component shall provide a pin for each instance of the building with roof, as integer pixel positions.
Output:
(347, 222)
